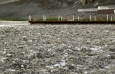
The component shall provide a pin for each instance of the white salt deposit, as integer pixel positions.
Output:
(85, 72)
(60, 64)
(49, 50)
(97, 49)
(31, 53)
(57, 65)
(50, 67)
(80, 38)
(22, 65)
(13, 23)
(2, 25)
(2, 59)
(63, 44)
(65, 55)
(46, 59)
(106, 30)
(74, 73)
(107, 67)
(110, 66)
(11, 70)
(76, 48)
(23, 52)
(9, 54)
(4, 51)
(24, 61)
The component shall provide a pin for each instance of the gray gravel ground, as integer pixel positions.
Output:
(57, 49)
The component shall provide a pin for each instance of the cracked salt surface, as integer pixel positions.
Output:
(71, 59)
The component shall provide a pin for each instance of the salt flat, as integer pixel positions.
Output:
(57, 49)
(13, 23)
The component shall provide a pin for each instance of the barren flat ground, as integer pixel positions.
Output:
(57, 49)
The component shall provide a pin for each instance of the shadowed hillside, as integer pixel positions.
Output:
(23, 8)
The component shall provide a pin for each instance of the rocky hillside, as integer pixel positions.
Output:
(23, 8)
(52, 4)
(75, 3)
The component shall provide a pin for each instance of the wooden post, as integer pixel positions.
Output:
(95, 18)
(46, 18)
(107, 17)
(61, 18)
(78, 18)
(29, 18)
(114, 18)
(43, 17)
(111, 18)
(90, 17)
(73, 17)
(58, 17)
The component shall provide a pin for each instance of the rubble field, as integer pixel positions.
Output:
(57, 49)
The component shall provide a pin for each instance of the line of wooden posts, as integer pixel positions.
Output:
(60, 18)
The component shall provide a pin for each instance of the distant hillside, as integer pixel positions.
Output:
(73, 3)
(23, 8)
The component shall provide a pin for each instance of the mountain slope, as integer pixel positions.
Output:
(23, 8)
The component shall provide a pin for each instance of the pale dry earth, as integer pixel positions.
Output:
(57, 49)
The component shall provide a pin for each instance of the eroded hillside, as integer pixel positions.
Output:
(23, 8)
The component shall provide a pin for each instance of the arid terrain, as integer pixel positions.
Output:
(57, 49)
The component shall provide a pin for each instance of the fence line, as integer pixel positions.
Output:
(78, 18)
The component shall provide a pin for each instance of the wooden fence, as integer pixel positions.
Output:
(73, 18)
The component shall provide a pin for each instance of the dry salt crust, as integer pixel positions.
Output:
(57, 49)
(13, 23)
